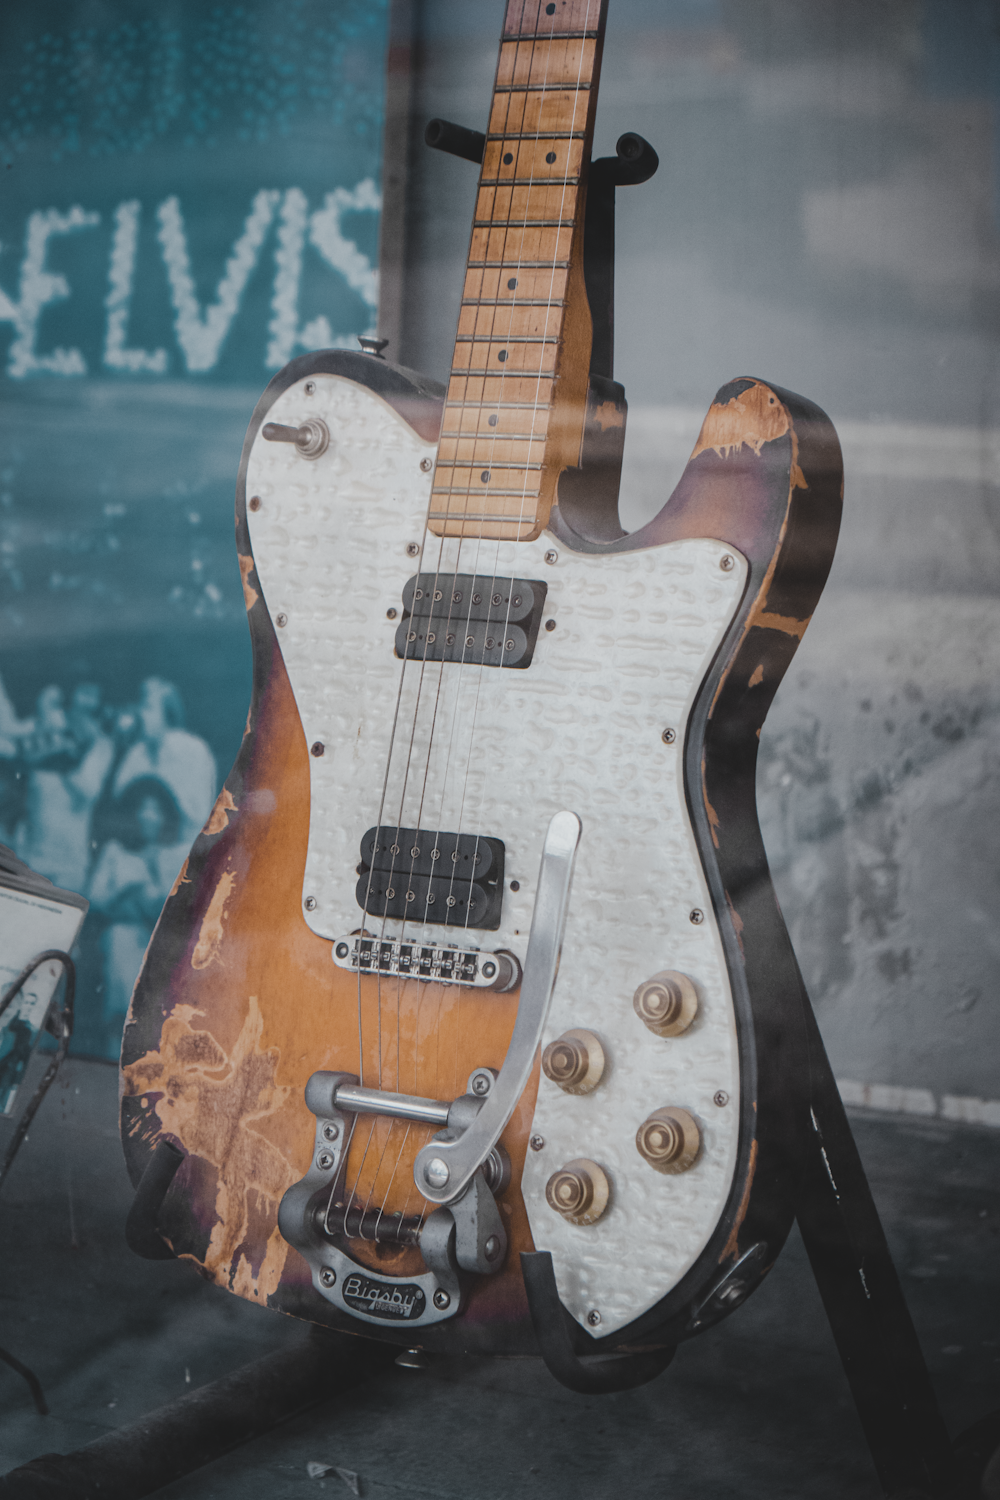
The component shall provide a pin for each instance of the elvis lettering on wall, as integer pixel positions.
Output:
(190, 199)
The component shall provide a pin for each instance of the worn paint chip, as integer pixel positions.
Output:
(752, 418)
(182, 879)
(787, 624)
(210, 934)
(250, 594)
(219, 818)
(210, 1102)
(608, 416)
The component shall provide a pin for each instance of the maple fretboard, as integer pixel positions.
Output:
(514, 414)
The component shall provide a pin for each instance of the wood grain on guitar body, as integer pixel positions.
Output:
(341, 1017)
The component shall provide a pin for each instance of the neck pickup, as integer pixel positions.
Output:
(462, 617)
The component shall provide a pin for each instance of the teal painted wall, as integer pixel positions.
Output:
(190, 197)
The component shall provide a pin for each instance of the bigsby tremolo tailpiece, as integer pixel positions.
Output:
(459, 1171)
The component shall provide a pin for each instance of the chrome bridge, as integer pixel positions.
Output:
(444, 964)
(459, 1171)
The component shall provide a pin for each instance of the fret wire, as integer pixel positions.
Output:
(478, 370)
(477, 463)
(548, 36)
(541, 88)
(524, 223)
(518, 265)
(529, 182)
(520, 338)
(512, 302)
(497, 517)
(530, 135)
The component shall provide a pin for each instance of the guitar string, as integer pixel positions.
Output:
(539, 135)
(565, 186)
(437, 695)
(361, 1052)
(398, 840)
(577, 210)
(504, 374)
(385, 918)
(523, 498)
(480, 676)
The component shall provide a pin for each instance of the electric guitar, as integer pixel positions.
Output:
(471, 1022)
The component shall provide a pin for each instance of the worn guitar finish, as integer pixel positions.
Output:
(639, 709)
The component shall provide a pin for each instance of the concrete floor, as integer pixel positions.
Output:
(757, 1407)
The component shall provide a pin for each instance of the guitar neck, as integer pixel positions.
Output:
(517, 394)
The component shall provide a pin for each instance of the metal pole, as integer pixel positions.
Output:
(177, 1439)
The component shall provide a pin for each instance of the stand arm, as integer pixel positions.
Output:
(634, 161)
(864, 1301)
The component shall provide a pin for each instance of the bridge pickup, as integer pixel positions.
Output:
(428, 898)
(417, 875)
(470, 618)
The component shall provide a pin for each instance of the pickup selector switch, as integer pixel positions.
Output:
(669, 1140)
(579, 1191)
(575, 1061)
(667, 1003)
(311, 439)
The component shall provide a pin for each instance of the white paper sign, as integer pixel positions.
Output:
(29, 924)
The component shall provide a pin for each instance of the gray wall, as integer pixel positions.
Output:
(825, 216)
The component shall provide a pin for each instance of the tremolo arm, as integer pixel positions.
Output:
(445, 1167)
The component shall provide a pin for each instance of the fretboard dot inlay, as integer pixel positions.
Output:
(526, 236)
(485, 476)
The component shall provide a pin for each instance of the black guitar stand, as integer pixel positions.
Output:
(836, 1214)
(868, 1315)
(58, 1024)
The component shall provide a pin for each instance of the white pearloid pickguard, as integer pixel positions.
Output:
(580, 728)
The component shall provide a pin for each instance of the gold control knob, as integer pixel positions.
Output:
(579, 1191)
(667, 1003)
(575, 1061)
(669, 1140)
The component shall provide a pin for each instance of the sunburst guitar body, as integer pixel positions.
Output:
(472, 1016)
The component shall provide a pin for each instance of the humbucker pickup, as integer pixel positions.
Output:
(423, 876)
(471, 618)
